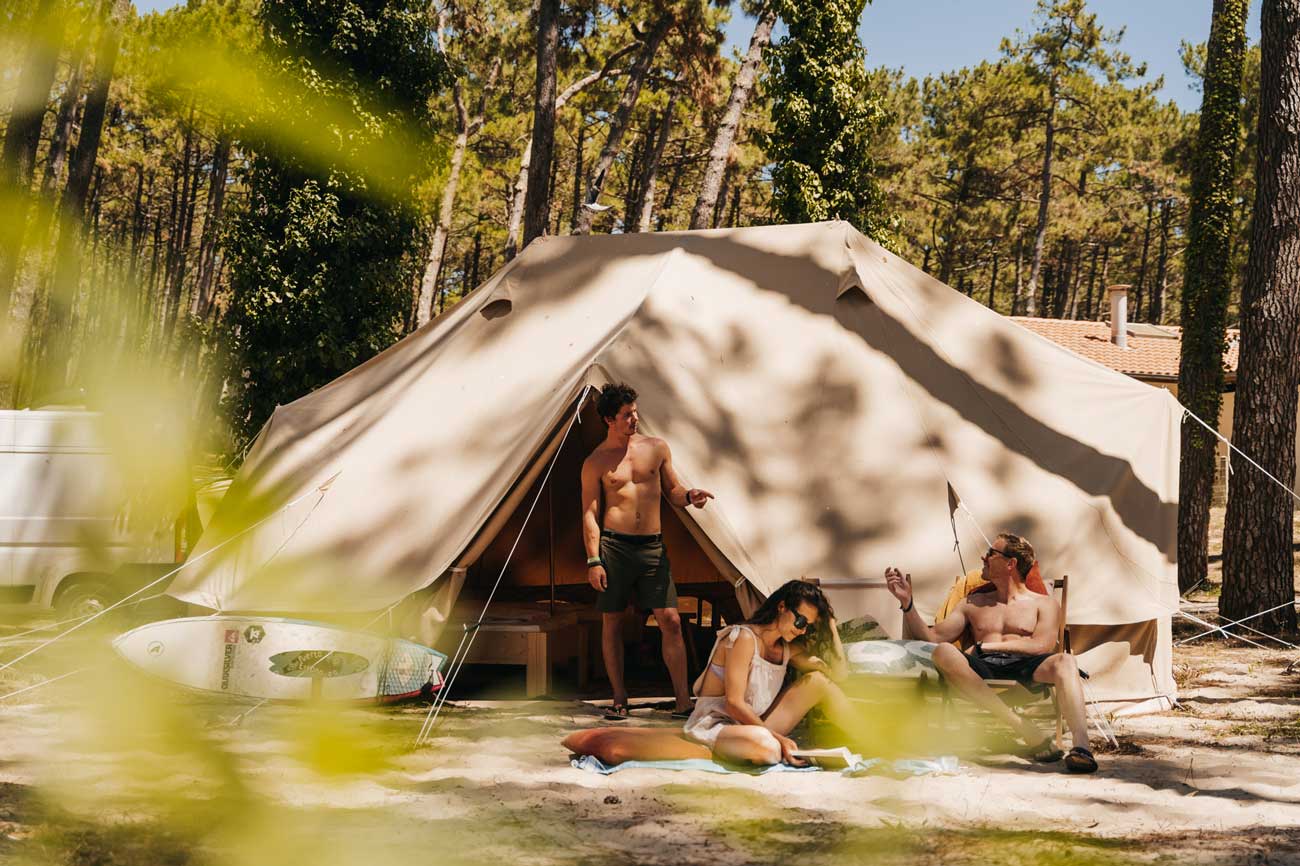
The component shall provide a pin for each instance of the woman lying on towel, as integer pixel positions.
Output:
(744, 712)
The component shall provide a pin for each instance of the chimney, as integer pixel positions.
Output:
(1119, 314)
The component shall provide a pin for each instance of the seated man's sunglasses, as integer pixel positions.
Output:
(993, 551)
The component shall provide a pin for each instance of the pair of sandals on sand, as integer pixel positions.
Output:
(619, 713)
(1078, 760)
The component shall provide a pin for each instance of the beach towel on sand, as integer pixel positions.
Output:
(871, 766)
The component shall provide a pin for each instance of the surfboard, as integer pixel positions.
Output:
(281, 659)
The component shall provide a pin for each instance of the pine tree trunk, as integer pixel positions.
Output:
(537, 208)
(52, 355)
(429, 285)
(993, 282)
(212, 224)
(465, 127)
(1092, 284)
(523, 183)
(1140, 290)
(1099, 307)
(726, 182)
(1044, 202)
(646, 205)
(711, 184)
(62, 133)
(1075, 280)
(635, 167)
(1258, 564)
(1157, 307)
(1017, 301)
(22, 138)
(577, 174)
(673, 185)
(478, 252)
(1207, 284)
(619, 121)
(176, 259)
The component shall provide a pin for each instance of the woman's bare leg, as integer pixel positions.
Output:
(809, 691)
(616, 745)
(751, 743)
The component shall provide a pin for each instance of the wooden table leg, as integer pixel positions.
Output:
(584, 658)
(539, 664)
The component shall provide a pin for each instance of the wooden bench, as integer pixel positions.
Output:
(520, 634)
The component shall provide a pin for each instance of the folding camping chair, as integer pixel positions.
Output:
(1016, 695)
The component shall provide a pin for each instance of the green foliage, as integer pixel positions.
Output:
(322, 262)
(824, 119)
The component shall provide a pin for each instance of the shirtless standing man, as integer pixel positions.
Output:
(1015, 631)
(626, 560)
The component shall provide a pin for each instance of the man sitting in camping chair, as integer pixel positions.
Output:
(1015, 633)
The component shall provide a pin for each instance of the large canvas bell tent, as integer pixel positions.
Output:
(838, 401)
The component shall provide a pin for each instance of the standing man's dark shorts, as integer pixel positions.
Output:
(636, 570)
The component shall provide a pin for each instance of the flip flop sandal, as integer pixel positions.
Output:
(682, 714)
(1080, 760)
(1044, 752)
(616, 713)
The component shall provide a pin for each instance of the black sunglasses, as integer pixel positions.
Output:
(801, 622)
(993, 551)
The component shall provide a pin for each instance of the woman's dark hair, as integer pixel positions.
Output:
(795, 593)
(614, 397)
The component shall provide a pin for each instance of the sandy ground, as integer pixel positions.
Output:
(105, 768)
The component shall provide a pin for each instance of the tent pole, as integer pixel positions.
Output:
(550, 538)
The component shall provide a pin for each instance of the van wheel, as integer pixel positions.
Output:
(84, 599)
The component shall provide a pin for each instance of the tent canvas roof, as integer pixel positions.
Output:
(825, 390)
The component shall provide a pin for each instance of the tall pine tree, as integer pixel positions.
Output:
(1208, 284)
(1258, 563)
(824, 117)
(323, 256)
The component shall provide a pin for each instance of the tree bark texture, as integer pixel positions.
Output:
(711, 184)
(1157, 306)
(52, 354)
(1044, 202)
(646, 204)
(1207, 284)
(22, 137)
(202, 298)
(1139, 289)
(465, 127)
(64, 120)
(541, 146)
(1258, 565)
(1018, 298)
(619, 120)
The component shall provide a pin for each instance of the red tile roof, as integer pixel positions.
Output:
(1152, 352)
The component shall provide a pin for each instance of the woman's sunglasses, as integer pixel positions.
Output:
(801, 622)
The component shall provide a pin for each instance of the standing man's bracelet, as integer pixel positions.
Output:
(909, 606)
(593, 560)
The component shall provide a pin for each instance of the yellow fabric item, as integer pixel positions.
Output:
(962, 587)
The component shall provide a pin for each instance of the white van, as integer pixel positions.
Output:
(68, 535)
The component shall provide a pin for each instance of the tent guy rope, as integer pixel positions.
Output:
(1187, 413)
(321, 489)
(471, 630)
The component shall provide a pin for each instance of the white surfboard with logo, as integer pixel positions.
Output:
(281, 659)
